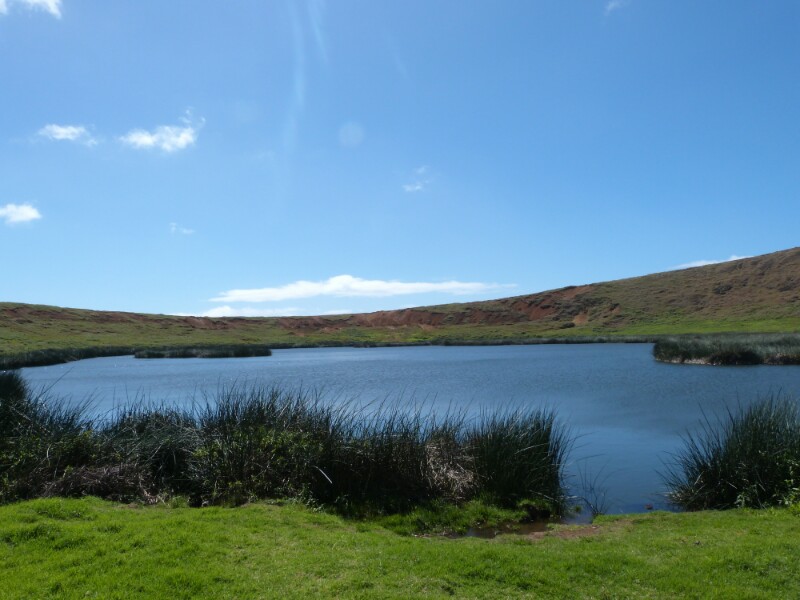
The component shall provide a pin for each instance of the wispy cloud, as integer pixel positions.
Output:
(229, 311)
(349, 286)
(613, 5)
(703, 263)
(169, 138)
(316, 17)
(50, 6)
(69, 133)
(175, 228)
(420, 180)
(19, 213)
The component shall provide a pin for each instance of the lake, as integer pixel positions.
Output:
(627, 411)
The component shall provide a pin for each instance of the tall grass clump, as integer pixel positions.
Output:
(41, 442)
(217, 351)
(257, 443)
(518, 455)
(730, 349)
(748, 458)
(158, 443)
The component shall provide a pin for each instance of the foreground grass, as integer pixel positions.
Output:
(89, 548)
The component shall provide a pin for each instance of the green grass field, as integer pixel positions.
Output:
(88, 548)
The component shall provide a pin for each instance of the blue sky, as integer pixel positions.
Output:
(310, 157)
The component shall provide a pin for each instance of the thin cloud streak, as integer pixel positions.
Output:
(316, 16)
(169, 138)
(614, 5)
(349, 286)
(69, 133)
(703, 263)
(421, 180)
(53, 7)
(229, 311)
(19, 213)
(176, 228)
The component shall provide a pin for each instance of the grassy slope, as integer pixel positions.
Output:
(760, 294)
(88, 548)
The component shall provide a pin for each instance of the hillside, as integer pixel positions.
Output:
(759, 294)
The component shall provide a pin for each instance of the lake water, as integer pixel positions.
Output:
(627, 411)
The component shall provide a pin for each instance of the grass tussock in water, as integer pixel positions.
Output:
(260, 443)
(55, 356)
(230, 351)
(748, 458)
(731, 349)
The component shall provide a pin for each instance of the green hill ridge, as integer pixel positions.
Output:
(758, 294)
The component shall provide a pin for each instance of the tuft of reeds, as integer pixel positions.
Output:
(227, 351)
(40, 441)
(256, 443)
(55, 356)
(730, 349)
(748, 458)
(517, 456)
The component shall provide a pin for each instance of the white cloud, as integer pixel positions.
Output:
(19, 213)
(417, 186)
(70, 133)
(613, 5)
(420, 180)
(168, 138)
(349, 286)
(176, 228)
(703, 263)
(51, 6)
(228, 311)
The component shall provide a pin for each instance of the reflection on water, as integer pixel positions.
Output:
(626, 411)
(489, 533)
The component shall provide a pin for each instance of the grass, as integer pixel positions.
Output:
(57, 548)
(256, 443)
(748, 458)
(733, 349)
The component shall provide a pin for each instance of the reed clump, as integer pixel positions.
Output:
(730, 349)
(748, 458)
(224, 351)
(55, 356)
(258, 443)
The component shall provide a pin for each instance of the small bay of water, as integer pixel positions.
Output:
(627, 411)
